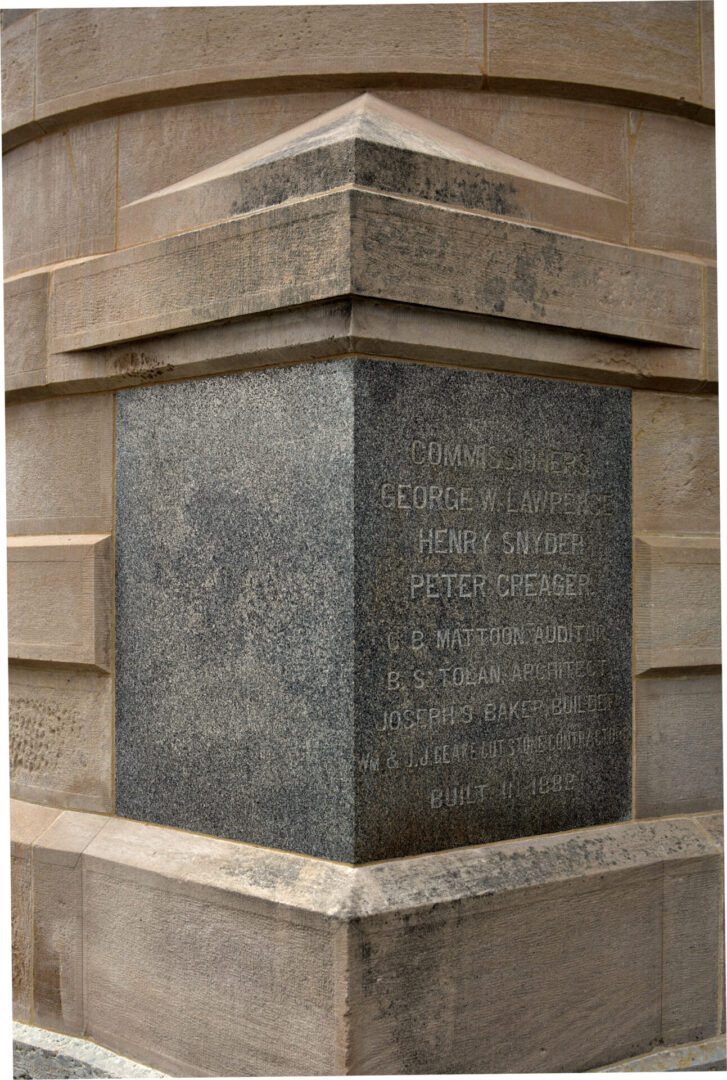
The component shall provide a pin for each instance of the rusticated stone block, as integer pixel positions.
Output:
(676, 464)
(677, 602)
(61, 737)
(59, 599)
(59, 465)
(678, 758)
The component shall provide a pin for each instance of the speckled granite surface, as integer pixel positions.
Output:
(369, 609)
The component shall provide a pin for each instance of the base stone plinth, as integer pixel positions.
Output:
(206, 957)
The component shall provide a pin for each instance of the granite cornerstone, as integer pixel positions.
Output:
(362, 499)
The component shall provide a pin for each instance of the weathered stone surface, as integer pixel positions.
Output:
(418, 253)
(189, 939)
(289, 255)
(18, 72)
(714, 824)
(59, 599)
(234, 987)
(27, 822)
(459, 735)
(375, 328)
(691, 923)
(582, 140)
(59, 197)
(361, 242)
(585, 142)
(678, 748)
(673, 184)
(677, 602)
(61, 737)
(26, 312)
(59, 465)
(84, 59)
(711, 366)
(583, 913)
(58, 921)
(707, 24)
(676, 464)
(381, 147)
(652, 49)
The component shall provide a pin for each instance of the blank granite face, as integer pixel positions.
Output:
(367, 610)
(234, 633)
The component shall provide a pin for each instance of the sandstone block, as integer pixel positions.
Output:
(224, 958)
(606, 49)
(423, 254)
(61, 735)
(714, 824)
(584, 916)
(677, 608)
(381, 246)
(691, 921)
(188, 972)
(26, 311)
(27, 822)
(707, 22)
(673, 184)
(676, 464)
(58, 921)
(84, 59)
(59, 599)
(375, 328)
(706, 1056)
(581, 140)
(678, 761)
(711, 366)
(193, 135)
(59, 465)
(289, 255)
(59, 195)
(18, 73)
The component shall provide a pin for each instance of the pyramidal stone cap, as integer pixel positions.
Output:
(372, 144)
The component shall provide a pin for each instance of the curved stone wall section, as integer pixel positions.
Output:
(66, 65)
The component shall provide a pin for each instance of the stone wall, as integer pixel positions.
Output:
(280, 960)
